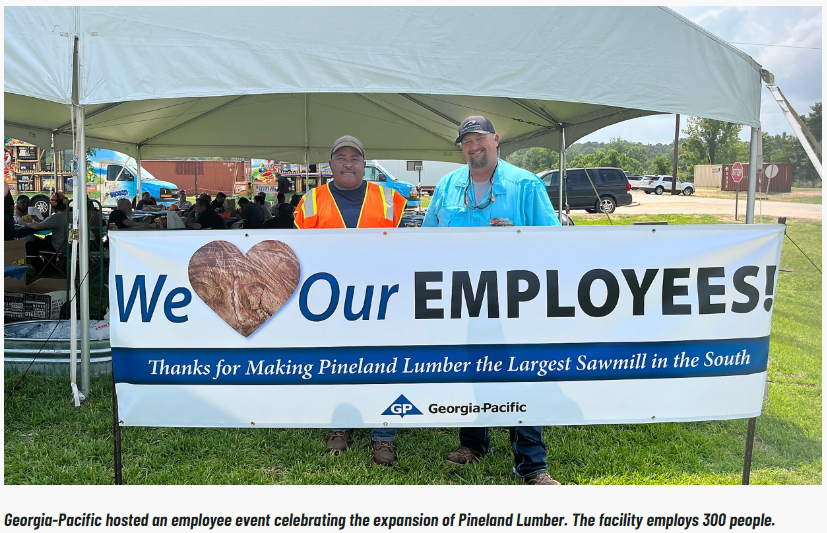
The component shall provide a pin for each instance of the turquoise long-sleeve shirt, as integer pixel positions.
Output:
(519, 196)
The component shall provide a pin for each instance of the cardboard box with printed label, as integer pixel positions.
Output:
(42, 300)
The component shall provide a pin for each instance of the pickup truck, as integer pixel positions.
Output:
(377, 173)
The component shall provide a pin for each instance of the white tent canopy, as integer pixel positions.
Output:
(285, 82)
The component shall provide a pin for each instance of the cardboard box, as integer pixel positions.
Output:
(14, 253)
(41, 300)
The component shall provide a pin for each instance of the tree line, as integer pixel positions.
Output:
(706, 142)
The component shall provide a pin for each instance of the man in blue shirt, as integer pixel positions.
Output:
(488, 192)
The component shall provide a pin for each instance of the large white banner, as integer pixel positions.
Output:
(407, 327)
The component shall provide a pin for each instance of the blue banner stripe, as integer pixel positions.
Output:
(441, 364)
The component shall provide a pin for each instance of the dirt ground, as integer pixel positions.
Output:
(702, 204)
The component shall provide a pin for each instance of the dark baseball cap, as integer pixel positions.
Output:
(347, 140)
(474, 124)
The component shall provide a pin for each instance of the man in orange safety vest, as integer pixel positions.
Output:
(350, 202)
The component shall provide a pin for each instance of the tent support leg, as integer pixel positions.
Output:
(560, 180)
(748, 451)
(755, 166)
(116, 435)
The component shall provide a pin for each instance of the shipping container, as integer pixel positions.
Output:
(213, 176)
(708, 176)
(782, 182)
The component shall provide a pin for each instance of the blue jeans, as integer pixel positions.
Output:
(526, 442)
(387, 434)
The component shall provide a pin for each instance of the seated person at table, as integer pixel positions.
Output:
(122, 216)
(259, 201)
(207, 218)
(217, 205)
(21, 208)
(58, 223)
(279, 201)
(251, 213)
(146, 199)
(182, 202)
(283, 221)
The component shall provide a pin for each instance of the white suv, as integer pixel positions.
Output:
(659, 184)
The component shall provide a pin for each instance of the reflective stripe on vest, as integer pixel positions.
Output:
(387, 197)
(309, 204)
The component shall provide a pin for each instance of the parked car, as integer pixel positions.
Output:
(634, 181)
(659, 184)
(611, 184)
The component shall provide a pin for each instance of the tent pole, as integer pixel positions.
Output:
(73, 305)
(83, 227)
(54, 160)
(755, 164)
(307, 145)
(560, 180)
(675, 167)
(83, 221)
(138, 161)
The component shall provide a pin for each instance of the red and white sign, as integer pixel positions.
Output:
(737, 172)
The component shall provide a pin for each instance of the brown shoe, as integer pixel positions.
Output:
(463, 456)
(383, 452)
(541, 479)
(337, 443)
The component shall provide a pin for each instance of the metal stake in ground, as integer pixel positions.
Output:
(116, 435)
(748, 452)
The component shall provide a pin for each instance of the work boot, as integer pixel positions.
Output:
(337, 443)
(541, 479)
(383, 452)
(463, 456)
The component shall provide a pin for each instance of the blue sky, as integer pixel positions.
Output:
(797, 70)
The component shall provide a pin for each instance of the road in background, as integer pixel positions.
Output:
(667, 204)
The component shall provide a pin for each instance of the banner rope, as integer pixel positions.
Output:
(802, 253)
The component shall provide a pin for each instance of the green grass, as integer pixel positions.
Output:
(797, 196)
(48, 442)
(804, 200)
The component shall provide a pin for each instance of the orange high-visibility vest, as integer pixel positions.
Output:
(382, 208)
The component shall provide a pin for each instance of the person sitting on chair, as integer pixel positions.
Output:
(207, 218)
(259, 201)
(217, 205)
(146, 199)
(251, 213)
(122, 216)
(21, 208)
(58, 223)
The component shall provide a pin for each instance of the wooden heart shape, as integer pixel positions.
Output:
(244, 290)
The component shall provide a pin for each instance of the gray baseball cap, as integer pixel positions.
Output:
(347, 140)
(474, 124)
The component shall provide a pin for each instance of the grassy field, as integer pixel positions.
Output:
(48, 442)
